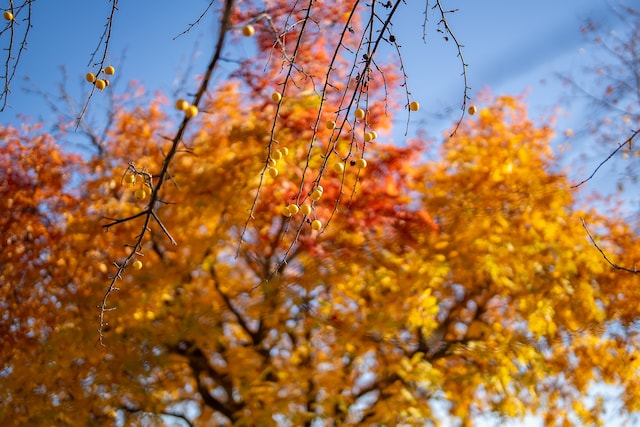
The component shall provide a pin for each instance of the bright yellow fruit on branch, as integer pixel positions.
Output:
(182, 105)
(110, 70)
(316, 224)
(361, 163)
(8, 16)
(248, 30)
(473, 110)
(414, 106)
(100, 84)
(137, 265)
(90, 77)
(338, 167)
(305, 209)
(359, 114)
(316, 195)
(191, 112)
(140, 194)
(330, 124)
(276, 96)
(273, 172)
(286, 212)
(129, 178)
(293, 208)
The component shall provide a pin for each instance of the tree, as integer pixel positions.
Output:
(359, 283)
(498, 303)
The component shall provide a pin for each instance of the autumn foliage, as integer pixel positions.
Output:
(454, 279)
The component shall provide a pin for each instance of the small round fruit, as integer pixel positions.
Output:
(8, 15)
(305, 209)
(286, 212)
(100, 84)
(361, 163)
(316, 195)
(182, 105)
(374, 135)
(271, 162)
(368, 137)
(248, 30)
(338, 167)
(107, 82)
(276, 155)
(293, 208)
(359, 113)
(191, 112)
(473, 110)
(330, 124)
(273, 172)
(129, 178)
(276, 96)
(137, 264)
(414, 106)
(316, 224)
(285, 151)
(90, 77)
(140, 194)
(110, 70)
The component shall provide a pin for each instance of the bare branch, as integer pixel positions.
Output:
(634, 270)
(628, 141)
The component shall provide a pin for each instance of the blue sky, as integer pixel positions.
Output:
(510, 46)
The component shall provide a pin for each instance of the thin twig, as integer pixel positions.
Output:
(613, 153)
(606, 258)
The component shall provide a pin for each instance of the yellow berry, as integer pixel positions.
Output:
(271, 162)
(129, 178)
(137, 265)
(191, 112)
(473, 110)
(293, 208)
(277, 155)
(276, 96)
(316, 224)
(361, 163)
(368, 137)
(273, 172)
(338, 167)
(182, 105)
(100, 84)
(316, 195)
(286, 212)
(90, 77)
(374, 135)
(330, 124)
(248, 30)
(8, 16)
(414, 106)
(359, 113)
(140, 194)
(110, 70)
(305, 209)
(285, 151)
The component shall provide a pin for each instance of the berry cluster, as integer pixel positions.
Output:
(189, 110)
(101, 83)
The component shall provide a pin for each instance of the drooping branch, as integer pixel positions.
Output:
(628, 142)
(616, 266)
(448, 31)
